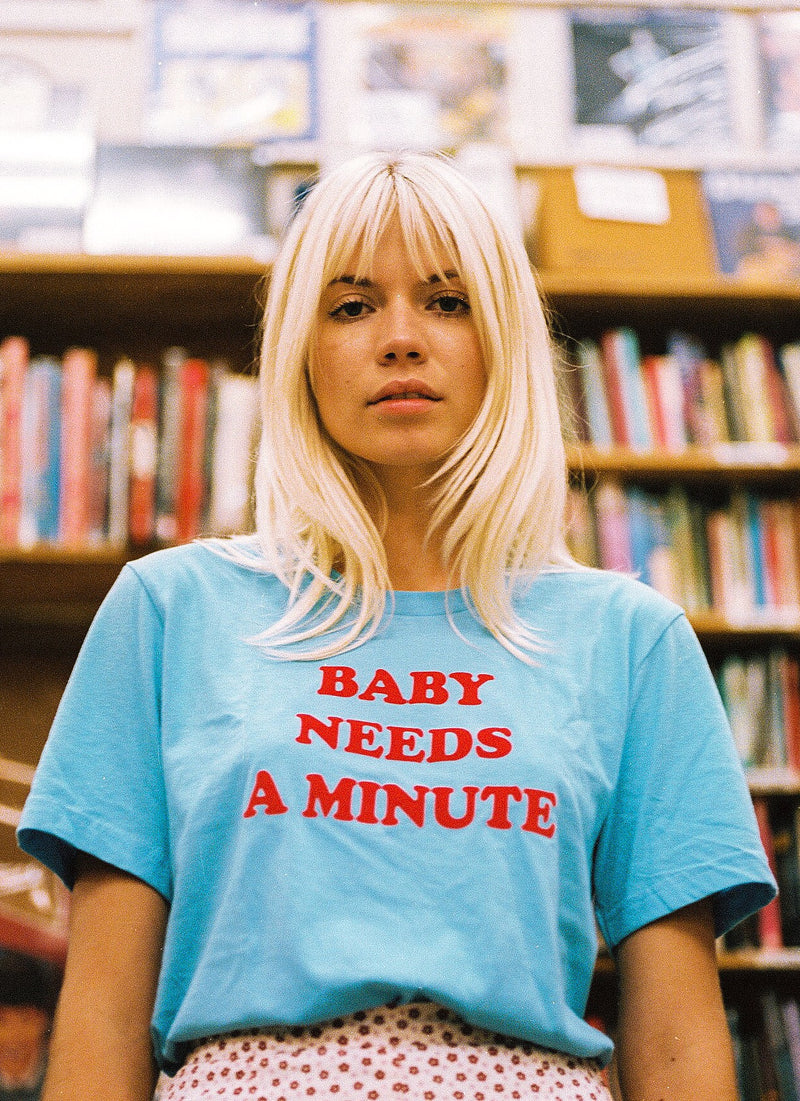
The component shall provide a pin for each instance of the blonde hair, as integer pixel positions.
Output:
(499, 495)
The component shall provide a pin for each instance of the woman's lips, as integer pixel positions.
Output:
(405, 391)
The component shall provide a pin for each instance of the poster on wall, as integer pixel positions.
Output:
(655, 78)
(232, 72)
(755, 217)
(431, 75)
(779, 55)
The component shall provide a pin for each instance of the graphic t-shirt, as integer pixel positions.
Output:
(422, 816)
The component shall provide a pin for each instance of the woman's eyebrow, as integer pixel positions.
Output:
(352, 281)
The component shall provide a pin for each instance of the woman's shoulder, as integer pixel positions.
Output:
(212, 567)
(592, 596)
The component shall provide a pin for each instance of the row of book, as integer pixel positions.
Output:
(152, 454)
(777, 925)
(766, 1045)
(682, 396)
(739, 557)
(761, 694)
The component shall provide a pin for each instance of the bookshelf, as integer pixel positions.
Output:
(138, 305)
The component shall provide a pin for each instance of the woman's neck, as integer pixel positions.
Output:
(414, 560)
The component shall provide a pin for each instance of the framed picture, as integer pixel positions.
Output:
(230, 72)
(650, 78)
(779, 56)
(416, 75)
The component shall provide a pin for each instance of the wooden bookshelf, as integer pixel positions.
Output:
(140, 305)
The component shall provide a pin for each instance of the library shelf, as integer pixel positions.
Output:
(139, 305)
(756, 464)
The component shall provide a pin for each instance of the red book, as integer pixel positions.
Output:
(612, 377)
(143, 455)
(651, 366)
(770, 933)
(79, 370)
(14, 353)
(193, 396)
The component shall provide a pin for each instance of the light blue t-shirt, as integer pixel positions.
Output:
(423, 816)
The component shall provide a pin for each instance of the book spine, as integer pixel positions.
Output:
(143, 455)
(41, 446)
(233, 452)
(769, 918)
(613, 533)
(190, 486)
(79, 372)
(169, 444)
(14, 356)
(119, 452)
(99, 460)
(595, 399)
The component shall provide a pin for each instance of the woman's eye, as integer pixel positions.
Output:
(451, 303)
(353, 308)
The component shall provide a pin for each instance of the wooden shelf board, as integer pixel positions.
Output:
(734, 461)
(760, 959)
(666, 287)
(773, 781)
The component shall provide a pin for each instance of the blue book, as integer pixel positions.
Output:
(594, 393)
(623, 345)
(641, 531)
(41, 451)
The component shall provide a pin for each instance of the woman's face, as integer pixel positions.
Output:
(397, 368)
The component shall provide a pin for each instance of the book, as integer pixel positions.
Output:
(621, 356)
(40, 452)
(169, 421)
(769, 918)
(783, 817)
(647, 77)
(190, 487)
(777, 1046)
(143, 455)
(79, 367)
(119, 452)
(14, 356)
(613, 534)
(594, 393)
(664, 398)
(755, 221)
(232, 453)
(99, 460)
(790, 1011)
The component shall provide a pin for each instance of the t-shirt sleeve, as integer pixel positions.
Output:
(681, 826)
(99, 785)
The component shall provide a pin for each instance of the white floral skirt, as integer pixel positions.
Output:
(419, 1052)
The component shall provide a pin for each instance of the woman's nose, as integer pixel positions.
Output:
(401, 335)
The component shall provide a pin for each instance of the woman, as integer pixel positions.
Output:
(372, 773)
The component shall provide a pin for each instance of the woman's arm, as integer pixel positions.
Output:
(101, 1048)
(673, 1040)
